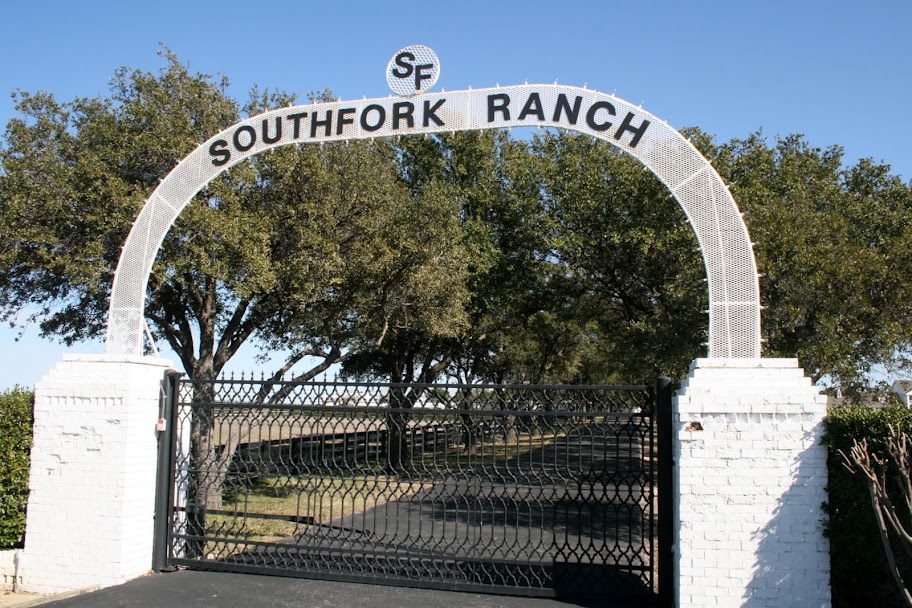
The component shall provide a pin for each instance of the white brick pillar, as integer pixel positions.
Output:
(93, 472)
(751, 477)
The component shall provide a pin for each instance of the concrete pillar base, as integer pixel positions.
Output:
(93, 468)
(751, 476)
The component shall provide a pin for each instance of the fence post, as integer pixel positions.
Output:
(667, 496)
(164, 483)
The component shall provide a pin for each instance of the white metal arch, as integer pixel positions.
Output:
(734, 293)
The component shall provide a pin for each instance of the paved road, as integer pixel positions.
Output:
(189, 589)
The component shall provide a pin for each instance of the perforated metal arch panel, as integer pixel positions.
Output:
(734, 294)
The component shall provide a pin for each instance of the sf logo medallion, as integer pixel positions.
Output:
(413, 70)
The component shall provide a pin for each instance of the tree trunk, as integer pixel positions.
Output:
(398, 448)
(510, 432)
(206, 455)
(469, 428)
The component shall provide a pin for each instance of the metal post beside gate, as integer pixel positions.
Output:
(667, 579)
(164, 485)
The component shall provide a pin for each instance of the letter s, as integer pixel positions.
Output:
(406, 67)
(219, 150)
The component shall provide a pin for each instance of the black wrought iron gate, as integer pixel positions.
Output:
(523, 490)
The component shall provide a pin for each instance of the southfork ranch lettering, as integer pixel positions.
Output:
(540, 105)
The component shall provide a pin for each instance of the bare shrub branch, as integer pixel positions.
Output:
(865, 464)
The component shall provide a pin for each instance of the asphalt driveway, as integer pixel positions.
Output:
(196, 589)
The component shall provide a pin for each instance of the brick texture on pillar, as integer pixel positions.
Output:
(93, 470)
(751, 478)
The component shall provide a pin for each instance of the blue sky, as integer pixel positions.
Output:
(839, 72)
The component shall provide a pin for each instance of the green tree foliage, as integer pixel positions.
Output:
(16, 407)
(486, 181)
(629, 265)
(830, 242)
(75, 175)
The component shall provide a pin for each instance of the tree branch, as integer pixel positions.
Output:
(235, 333)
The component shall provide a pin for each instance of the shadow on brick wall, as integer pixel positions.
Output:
(792, 559)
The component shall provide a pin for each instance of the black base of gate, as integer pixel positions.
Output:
(567, 581)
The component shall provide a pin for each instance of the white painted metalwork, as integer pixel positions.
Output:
(415, 69)
(734, 293)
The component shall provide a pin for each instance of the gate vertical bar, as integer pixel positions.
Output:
(667, 577)
(164, 484)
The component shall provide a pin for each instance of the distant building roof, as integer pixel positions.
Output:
(903, 388)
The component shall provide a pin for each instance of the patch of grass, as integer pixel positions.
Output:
(310, 500)
(487, 452)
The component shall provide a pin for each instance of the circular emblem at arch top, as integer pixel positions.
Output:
(413, 70)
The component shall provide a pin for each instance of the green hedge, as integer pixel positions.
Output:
(860, 576)
(16, 409)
